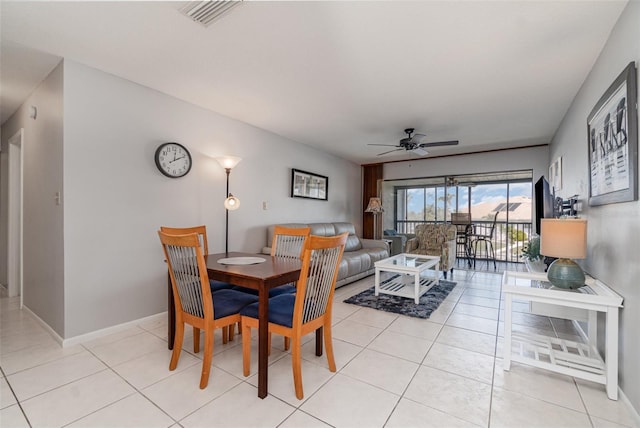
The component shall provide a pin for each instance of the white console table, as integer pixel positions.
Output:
(563, 356)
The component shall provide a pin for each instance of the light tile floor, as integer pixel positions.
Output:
(393, 371)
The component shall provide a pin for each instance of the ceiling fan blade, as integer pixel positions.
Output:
(418, 138)
(440, 143)
(419, 151)
(390, 151)
(386, 145)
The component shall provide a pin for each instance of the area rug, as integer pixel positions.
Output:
(429, 301)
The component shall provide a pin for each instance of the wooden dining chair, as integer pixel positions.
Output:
(201, 231)
(295, 315)
(287, 242)
(195, 304)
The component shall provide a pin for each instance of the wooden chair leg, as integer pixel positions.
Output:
(232, 331)
(246, 349)
(208, 356)
(177, 345)
(225, 334)
(287, 343)
(196, 340)
(296, 364)
(328, 345)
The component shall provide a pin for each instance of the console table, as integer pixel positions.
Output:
(559, 355)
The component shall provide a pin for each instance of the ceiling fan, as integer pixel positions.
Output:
(414, 143)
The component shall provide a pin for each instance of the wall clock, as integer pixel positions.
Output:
(173, 160)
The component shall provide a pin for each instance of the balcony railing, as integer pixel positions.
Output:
(509, 238)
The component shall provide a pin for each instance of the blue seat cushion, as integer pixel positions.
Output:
(276, 291)
(280, 309)
(219, 285)
(229, 302)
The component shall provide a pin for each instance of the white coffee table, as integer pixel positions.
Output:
(412, 275)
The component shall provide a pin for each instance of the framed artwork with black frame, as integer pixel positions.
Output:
(309, 185)
(612, 132)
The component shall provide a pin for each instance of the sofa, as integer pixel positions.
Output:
(435, 239)
(359, 254)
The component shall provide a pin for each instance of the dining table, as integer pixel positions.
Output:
(262, 276)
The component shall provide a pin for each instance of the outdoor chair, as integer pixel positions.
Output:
(483, 234)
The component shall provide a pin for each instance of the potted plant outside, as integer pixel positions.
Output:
(532, 257)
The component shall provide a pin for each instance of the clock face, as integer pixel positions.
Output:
(173, 160)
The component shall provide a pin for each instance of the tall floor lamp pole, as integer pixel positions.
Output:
(226, 220)
(231, 202)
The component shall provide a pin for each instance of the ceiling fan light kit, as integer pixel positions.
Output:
(414, 143)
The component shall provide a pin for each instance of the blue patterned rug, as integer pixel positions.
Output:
(429, 301)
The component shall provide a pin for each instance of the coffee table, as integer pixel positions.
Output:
(408, 275)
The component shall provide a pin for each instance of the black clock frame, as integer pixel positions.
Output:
(157, 156)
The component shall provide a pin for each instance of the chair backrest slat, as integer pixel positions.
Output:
(289, 242)
(317, 282)
(188, 273)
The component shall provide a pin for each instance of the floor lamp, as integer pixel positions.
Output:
(375, 207)
(231, 203)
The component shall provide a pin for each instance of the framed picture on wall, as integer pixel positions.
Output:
(309, 185)
(612, 132)
(555, 174)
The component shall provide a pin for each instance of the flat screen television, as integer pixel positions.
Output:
(544, 201)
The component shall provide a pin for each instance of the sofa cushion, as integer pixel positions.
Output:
(377, 254)
(322, 229)
(353, 242)
(357, 261)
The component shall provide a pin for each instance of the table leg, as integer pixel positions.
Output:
(592, 328)
(263, 341)
(611, 353)
(507, 331)
(377, 282)
(319, 337)
(416, 288)
(171, 312)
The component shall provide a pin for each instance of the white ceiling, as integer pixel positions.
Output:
(335, 75)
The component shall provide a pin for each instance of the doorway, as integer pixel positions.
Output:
(14, 257)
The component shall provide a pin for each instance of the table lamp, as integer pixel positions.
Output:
(375, 207)
(565, 239)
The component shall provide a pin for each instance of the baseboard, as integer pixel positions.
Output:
(635, 416)
(44, 325)
(632, 411)
(110, 330)
(94, 334)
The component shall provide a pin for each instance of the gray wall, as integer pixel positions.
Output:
(613, 230)
(42, 177)
(115, 199)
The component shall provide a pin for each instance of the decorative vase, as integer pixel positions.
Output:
(536, 265)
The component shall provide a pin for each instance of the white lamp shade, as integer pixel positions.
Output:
(228, 162)
(563, 238)
(232, 203)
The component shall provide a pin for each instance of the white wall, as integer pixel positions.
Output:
(613, 230)
(115, 198)
(42, 177)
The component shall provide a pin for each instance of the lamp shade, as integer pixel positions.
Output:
(228, 162)
(375, 206)
(232, 203)
(563, 238)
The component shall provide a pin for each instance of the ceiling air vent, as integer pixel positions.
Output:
(206, 12)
